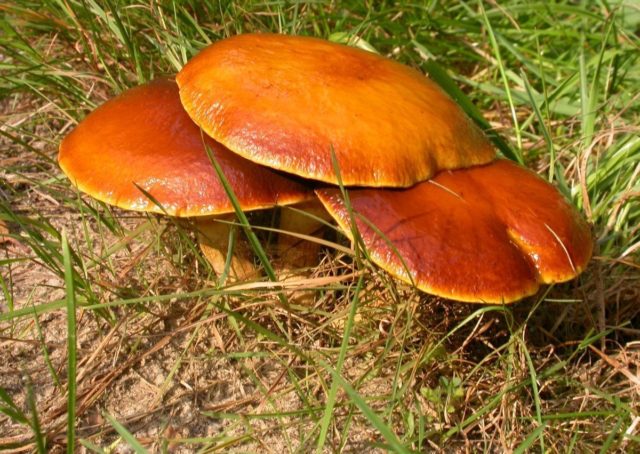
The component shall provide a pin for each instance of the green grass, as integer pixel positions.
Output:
(71, 345)
(166, 357)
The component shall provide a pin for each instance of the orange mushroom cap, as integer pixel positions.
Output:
(490, 234)
(144, 137)
(287, 101)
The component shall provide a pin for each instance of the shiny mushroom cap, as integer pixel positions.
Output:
(288, 102)
(144, 139)
(488, 234)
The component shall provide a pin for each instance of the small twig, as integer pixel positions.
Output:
(617, 366)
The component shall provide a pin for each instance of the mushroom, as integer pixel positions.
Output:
(140, 151)
(489, 232)
(287, 101)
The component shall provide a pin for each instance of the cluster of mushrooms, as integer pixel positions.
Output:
(291, 119)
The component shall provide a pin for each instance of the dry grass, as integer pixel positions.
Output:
(186, 365)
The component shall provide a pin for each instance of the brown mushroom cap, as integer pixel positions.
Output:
(491, 234)
(145, 137)
(287, 101)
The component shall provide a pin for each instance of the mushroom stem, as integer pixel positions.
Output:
(295, 252)
(214, 238)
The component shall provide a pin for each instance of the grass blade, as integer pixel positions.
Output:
(440, 76)
(242, 218)
(41, 443)
(10, 409)
(331, 398)
(126, 435)
(505, 81)
(71, 344)
(530, 440)
(542, 125)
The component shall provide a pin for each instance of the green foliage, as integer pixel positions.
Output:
(554, 84)
(447, 396)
